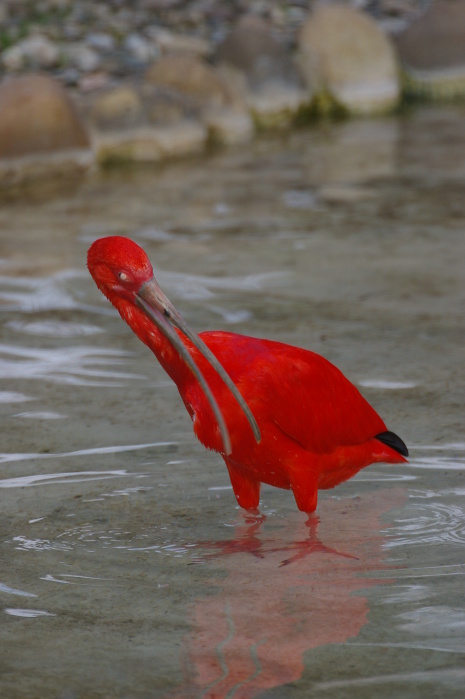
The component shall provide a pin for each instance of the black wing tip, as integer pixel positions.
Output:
(390, 439)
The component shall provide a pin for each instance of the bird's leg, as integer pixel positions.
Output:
(304, 484)
(312, 523)
(254, 518)
(313, 520)
(246, 490)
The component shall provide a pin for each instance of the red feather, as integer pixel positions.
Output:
(316, 428)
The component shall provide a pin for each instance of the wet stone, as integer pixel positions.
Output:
(101, 41)
(347, 59)
(140, 48)
(13, 58)
(163, 106)
(229, 127)
(82, 57)
(188, 76)
(151, 144)
(432, 52)
(251, 48)
(230, 66)
(116, 107)
(41, 132)
(37, 115)
(265, 73)
(171, 42)
(36, 51)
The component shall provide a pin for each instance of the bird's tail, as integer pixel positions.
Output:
(392, 440)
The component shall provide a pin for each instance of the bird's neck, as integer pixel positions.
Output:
(149, 334)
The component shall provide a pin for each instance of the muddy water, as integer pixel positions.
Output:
(126, 568)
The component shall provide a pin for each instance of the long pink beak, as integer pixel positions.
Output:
(151, 299)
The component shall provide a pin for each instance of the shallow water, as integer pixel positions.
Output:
(126, 567)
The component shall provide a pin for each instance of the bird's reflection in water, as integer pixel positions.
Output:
(288, 586)
(247, 540)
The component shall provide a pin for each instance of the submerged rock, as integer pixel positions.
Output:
(432, 52)
(348, 62)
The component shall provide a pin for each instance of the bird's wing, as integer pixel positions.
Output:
(318, 407)
(306, 396)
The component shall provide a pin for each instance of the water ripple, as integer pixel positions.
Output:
(447, 463)
(23, 543)
(41, 415)
(231, 316)
(53, 328)
(89, 537)
(38, 293)
(429, 523)
(404, 679)
(387, 385)
(14, 397)
(454, 446)
(299, 199)
(93, 451)
(66, 365)
(198, 288)
(452, 457)
(71, 477)
(425, 621)
(27, 613)
(14, 591)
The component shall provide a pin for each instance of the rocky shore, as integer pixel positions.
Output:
(88, 83)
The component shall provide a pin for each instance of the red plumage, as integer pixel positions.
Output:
(316, 428)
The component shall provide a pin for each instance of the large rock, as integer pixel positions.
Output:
(39, 122)
(348, 62)
(432, 52)
(190, 76)
(252, 49)
(229, 126)
(148, 145)
(37, 116)
(116, 107)
(268, 78)
(186, 86)
(165, 107)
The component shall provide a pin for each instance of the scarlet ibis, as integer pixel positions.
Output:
(277, 414)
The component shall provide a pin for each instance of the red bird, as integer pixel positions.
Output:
(277, 414)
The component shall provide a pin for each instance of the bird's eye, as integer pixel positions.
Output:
(123, 276)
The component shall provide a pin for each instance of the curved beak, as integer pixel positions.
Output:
(153, 302)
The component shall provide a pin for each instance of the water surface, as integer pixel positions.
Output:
(126, 567)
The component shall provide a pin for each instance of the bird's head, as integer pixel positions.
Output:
(119, 267)
(123, 273)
